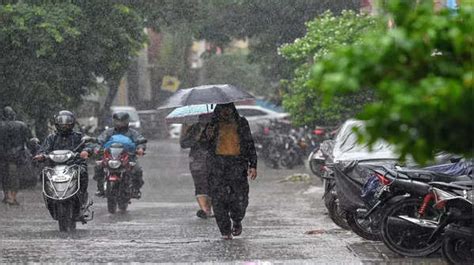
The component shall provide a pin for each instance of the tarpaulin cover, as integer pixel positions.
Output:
(350, 179)
(454, 169)
(347, 148)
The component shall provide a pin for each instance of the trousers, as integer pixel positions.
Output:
(229, 189)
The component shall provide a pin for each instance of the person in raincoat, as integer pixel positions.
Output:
(193, 137)
(14, 140)
(121, 122)
(233, 160)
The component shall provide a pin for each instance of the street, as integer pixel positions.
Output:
(286, 223)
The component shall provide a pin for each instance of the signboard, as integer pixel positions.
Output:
(170, 83)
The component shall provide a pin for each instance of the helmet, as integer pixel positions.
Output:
(9, 114)
(121, 120)
(64, 121)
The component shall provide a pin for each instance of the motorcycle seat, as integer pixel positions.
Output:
(423, 175)
(457, 185)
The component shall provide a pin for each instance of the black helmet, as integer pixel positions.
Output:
(64, 121)
(9, 114)
(121, 120)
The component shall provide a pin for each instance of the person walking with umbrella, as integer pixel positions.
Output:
(232, 160)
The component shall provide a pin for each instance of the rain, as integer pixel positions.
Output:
(236, 132)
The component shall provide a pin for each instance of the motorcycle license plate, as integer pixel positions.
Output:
(113, 178)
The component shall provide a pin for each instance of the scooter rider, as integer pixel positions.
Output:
(65, 138)
(121, 126)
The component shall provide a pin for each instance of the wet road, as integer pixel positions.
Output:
(163, 227)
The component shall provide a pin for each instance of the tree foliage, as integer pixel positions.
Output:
(54, 53)
(422, 73)
(324, 34)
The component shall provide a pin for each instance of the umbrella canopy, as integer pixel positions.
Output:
(209, 94)
(190, 114)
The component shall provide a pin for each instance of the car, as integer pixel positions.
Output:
(257, 115)
(175, 130)
(134, 118)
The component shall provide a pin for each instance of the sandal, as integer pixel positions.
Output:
(201, 214)
(237, 229)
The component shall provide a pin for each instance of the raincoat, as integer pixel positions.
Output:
(15, 156)
(228, 182)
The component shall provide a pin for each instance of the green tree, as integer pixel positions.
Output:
(324, 34)
(422, 74)
(54, 53)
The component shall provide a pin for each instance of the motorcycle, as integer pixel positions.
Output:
(265, 146)
(291, 153)
(456, 226)
(385, 188)
(61, 185)
(413, 225)
(118, 185)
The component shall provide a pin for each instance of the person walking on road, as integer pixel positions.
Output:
(233, 160)
(194, 138)
(14, 139)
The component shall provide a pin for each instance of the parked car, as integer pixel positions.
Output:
(174, 130)
(258, 116)
(134, 118)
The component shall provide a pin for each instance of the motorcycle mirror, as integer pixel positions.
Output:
(142, 141)
(34, 141)
(88, 139)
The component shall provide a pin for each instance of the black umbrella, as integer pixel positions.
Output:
(209, 94)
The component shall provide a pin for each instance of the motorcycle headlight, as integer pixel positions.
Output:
(61, 186)
(114, 164)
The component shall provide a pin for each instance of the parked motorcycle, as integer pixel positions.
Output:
(292, 154)
(117, 166)
(414, 224)
(61, 187)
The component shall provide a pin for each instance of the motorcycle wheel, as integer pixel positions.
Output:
(458, 250)
(288, 161)
(65, 215)
(123, 205)
(272, 158)
(405, 238)
(111, 204)
(315, 168)
(363, 227)
(337, 215)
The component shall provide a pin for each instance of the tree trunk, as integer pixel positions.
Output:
(105, 110)
(133, 83)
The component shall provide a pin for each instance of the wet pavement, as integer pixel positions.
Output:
(286, 223)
